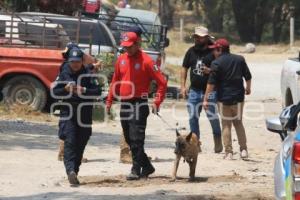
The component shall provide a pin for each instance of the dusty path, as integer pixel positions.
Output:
(29, 169)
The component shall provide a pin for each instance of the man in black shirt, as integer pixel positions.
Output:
(198, 59)
(227, 75)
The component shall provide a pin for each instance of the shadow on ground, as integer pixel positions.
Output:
(43, 136)
(159, 195)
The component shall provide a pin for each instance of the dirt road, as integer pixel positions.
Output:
(29, 169)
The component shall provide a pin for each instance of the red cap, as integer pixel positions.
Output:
(128, 39)
(220, 43)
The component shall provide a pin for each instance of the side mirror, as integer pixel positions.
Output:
(288, 117)
(167, 42)
(274, 125)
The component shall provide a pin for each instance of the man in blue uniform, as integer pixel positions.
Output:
(75, 87)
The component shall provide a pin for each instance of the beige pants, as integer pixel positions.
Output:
(232, 115)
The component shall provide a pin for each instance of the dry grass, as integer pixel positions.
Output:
(18, 112)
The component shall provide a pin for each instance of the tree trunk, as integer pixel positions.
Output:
(261, 16)
(166, 12)
(244, 12)
(214, 14)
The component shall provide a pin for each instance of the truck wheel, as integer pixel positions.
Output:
(25, 90)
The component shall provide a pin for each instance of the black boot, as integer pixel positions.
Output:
(72, 177)
(146, 171)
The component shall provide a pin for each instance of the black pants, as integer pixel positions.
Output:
(134, 115)
(76, 138)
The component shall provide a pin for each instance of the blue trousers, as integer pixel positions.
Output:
(195, 102)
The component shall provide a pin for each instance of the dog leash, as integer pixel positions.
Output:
(165, 122)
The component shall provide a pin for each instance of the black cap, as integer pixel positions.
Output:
(136, 29)
(75, 54)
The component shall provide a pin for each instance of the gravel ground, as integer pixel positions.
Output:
(29, 168)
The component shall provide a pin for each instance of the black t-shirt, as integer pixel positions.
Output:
(191, 58)
(227, 74)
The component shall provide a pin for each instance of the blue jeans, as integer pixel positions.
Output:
(195, 102)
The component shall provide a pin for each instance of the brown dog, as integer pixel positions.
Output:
(187, 146)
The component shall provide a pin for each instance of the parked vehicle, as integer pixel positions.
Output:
(30, 53)
(290, 81)
(287, 162)
(93, 36)
(154, 35)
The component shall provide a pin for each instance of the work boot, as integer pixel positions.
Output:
(146, 171)
(218, 144)
(132, 177)
(72, 177)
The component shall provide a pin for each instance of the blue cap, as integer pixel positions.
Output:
(75, 54)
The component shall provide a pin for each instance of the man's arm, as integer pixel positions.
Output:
(161, 82)
(209, 89)
(247, 76)
(112, 88)
(248, 87)
(183, 74)
(183, 77)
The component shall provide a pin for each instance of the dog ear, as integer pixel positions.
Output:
(177, 133)
(189, 137)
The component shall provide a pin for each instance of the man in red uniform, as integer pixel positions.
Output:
(134, 71)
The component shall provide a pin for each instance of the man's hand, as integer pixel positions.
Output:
(183, 92)
(155, 109)
(98, 65)
(70, 87)
(248, 91)
(79, 90)
(205, 104)
(206, 70)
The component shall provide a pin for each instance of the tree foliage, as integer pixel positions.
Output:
(251, 20)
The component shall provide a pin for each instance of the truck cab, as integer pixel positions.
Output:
(290, 81)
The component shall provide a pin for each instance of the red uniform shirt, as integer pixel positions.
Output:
(132, 78)
(91, 6)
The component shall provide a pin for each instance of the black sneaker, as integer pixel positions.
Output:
(146, 171)
(132, 177)
(72, 177)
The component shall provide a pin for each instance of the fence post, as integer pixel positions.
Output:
(181, 29)
(292, 27)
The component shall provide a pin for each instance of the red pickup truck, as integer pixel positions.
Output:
(30, 52)
(26, 74)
